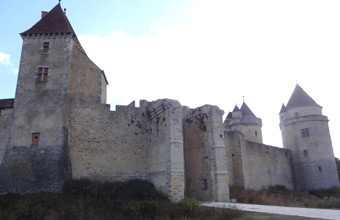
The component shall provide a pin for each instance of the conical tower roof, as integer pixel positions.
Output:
(300, 98)
(283, 108)
(54, 22)
(236, 109)
(246, 110)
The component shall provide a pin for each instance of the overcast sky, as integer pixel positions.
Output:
(199, 52)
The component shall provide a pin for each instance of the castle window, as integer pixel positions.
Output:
(46, 47)
(320, 169)
(35, 139)
(305, 152)
(204, 185)
(255, 133)
(43, 74)
(305, 132)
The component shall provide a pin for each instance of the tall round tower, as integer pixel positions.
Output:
(245, 121)
(306, 134)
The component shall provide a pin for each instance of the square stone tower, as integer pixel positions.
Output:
(52, 76)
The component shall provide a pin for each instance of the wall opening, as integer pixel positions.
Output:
(43, 74)
(305, 132)
(204, 185)
(46, 47)
(35, 139)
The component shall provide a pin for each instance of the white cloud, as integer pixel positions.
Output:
(154, 26)
(226, 50)
(5, 59)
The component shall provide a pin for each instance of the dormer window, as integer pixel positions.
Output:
(46, 47)
(43, 74)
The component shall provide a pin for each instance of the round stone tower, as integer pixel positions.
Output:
(244, 121)
(306, 134)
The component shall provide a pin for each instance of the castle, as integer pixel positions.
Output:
(59, 127)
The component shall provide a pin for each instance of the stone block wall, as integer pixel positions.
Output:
(267, 166)
(34, 169)
(5, 122)
(255, 166)
(144, 143)
(204, 150)
(235, 147)
(165, 142)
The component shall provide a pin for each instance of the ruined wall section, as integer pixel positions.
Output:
(205, 161)
(165, 141)
(267, 166)
(5, 125)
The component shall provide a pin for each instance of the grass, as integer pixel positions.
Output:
(93, 200)
(266, 216)
(281, 196)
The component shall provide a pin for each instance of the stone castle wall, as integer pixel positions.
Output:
(205, 164)
(267, 166)
(144, 143)
(5, 122)
(255, 166)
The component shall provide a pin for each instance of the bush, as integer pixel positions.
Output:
(331, 192)
(132, 189)
(281, 196)
(86, 199)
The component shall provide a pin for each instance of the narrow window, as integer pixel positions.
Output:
(204, 185)
(320, 169)
(255, 133)
(305, 132)
(45, 74)
(46, 47)
(35, 139)
(42, 74)
(305, 152)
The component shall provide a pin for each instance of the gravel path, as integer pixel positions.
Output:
(304, 212)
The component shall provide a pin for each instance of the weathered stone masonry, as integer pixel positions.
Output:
(59, 127)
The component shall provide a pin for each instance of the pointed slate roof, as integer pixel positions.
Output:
(283, 108)
(300, 98)
(236, 109)
(246, 110)
(54, 22)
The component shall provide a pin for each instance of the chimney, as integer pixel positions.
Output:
(43, 13)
